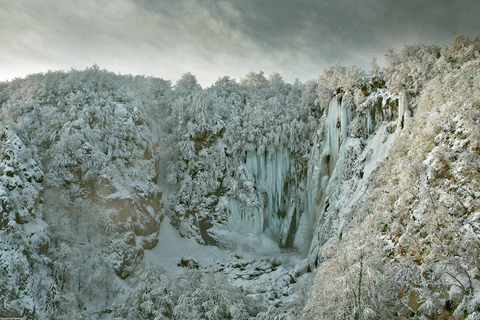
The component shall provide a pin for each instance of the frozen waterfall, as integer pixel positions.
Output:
(303, 210)
(271, 210)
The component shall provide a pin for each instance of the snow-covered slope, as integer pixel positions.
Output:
(410, 249)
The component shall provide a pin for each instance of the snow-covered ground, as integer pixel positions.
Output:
(172, 247)
(259, 267)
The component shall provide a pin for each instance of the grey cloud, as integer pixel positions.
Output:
(212, 38)
(338, 25)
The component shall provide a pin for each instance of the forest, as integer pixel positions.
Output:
(352, 196)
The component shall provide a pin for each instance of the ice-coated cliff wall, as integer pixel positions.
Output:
(304, 210)
(272, 210)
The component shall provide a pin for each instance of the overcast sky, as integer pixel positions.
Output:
(213, 38)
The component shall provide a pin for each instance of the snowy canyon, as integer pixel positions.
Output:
(351, 196)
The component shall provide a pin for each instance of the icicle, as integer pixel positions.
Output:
(402, 110)
(269, 173)
(369, 123)
(336, 135)
(338, 120)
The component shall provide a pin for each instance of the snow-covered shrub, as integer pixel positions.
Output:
(192, 294)
(23, 239)
(412, 68)
(354, 281)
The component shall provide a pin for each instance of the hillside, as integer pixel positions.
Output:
(366, 182)
(411, 250)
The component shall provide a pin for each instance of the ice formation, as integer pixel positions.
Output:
(271, 174)
(305, 211)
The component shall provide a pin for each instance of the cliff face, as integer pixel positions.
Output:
(304, 208)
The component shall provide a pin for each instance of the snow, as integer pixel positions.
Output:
(172, 247)
(256, 264)
(377, 150)
(34, 226)
(250, 165)
(120, 110)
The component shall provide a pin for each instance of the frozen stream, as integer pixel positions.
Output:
(259, 266)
